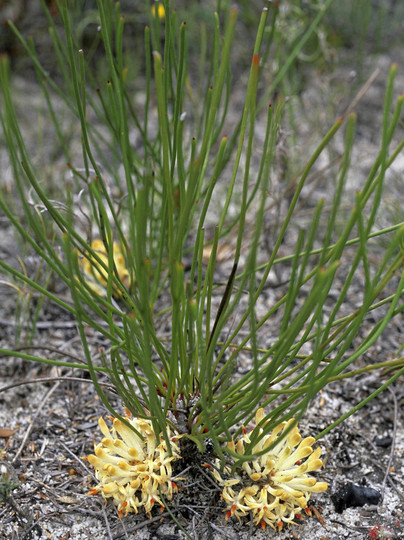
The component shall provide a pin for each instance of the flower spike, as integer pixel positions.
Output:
(278, 488)
(131, 471)
(95, 276)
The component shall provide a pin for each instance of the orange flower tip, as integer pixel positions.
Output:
(280, 525)
(308, 511)
(228, 515)
(174, 486)
(244, 430)
(298, 462)
(122, 508)
(299, 516)
(206, 465)
(93, 492)
(263, 525)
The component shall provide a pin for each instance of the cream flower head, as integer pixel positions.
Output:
(131, 471)
(95, 276)
(275, 486)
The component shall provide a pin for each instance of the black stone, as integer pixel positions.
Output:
(383, 442)
(352, 495)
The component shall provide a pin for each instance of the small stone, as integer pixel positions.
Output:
(383, 442)
(352, 495)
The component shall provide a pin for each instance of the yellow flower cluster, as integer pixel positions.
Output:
(274, 487)
(95, 276)
(133, 471)
(158, 10)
